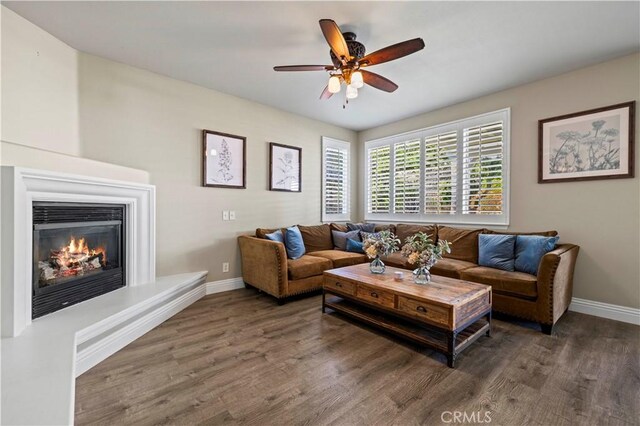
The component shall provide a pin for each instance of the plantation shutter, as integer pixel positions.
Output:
(406, 187)
(335, 182)
(440, 173)
(378, 179)
(483, 164)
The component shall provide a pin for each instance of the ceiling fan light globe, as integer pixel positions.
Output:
(334, 84)
(352, 92)
(356, 80)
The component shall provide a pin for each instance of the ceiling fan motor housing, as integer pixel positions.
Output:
(356, 49)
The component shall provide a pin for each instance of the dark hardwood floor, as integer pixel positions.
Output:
(237, 357)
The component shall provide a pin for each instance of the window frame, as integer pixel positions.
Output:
(328, 142)
(458, 218)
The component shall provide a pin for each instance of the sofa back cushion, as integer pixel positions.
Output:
(540, 233)
(317, 237)
(385, 227)
(404, 230)
(464, 242)
(338, 227)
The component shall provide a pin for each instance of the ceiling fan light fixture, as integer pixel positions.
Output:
(352, 92)
(356, 80)
(334, 84)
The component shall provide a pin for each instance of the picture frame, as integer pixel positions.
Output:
(285, 168)
(587, 145)
(223, 160)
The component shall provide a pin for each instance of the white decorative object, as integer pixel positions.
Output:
(21, 187)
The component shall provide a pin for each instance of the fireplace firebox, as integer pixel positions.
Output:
(78, 253)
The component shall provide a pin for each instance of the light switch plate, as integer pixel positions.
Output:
(225, 215)
(232, 215)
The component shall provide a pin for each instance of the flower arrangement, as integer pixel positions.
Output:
(383, 244)
(420, 250)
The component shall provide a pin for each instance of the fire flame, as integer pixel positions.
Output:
(78, 251)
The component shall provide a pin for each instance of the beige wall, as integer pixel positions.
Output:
(143, 120)
(603, 217)
(39, 87)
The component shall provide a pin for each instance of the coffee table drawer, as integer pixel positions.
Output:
(340, 286)
(423, 310)
(374, 295)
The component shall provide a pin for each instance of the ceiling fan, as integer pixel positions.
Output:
(349, 60)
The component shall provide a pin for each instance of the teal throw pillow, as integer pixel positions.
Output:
(294, 243)
(497, 251)
(529, 251)
(275, 236)
(355, 246)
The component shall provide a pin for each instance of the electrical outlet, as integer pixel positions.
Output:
(225, 267)
(232, 215)
(225, 215)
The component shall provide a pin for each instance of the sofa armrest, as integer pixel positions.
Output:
(264, 264)
(555, 282)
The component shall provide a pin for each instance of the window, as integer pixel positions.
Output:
(335, 180)
(452, 173)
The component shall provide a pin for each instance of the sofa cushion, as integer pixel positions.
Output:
(529, 251)
(497, 251)
(294, 243)
(307, 266)
(338, 227)
(385, 227)
(403, 231)
(340, 258)
(540, 233)
(464, 242)
(397, 260)
(317, 237)
(340, 238)
(517, 284)
(451, 267)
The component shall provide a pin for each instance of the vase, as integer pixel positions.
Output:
(377, 266)
(421, 275)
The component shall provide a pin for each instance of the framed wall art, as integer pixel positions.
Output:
(285, 168)
(223, 160)
(587, 145)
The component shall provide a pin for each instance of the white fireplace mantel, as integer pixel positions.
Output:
(21, 187)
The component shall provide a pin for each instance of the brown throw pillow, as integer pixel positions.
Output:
(464, 242)
(404, 231)
(317, 237)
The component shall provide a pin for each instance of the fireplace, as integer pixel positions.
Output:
(78, 253)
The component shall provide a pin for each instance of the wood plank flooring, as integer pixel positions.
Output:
(237, 357)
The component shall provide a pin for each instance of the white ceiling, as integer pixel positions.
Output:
(472, 48)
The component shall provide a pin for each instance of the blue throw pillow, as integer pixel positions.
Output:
(340, 238)
(275, 236)
(294, 243)
(366, 227)
(529, 251)
(355, 246)
(497, 251)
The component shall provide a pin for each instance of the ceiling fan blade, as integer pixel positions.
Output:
(378, 81)
(335, 39)
(326, 94)
(304, 68)
(392, 52)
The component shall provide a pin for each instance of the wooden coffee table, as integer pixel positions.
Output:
(446, 315)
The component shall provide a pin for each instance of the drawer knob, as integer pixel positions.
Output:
(421, 309)
(374, 294)
(338, 285)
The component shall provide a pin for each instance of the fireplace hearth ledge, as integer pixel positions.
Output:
(39, 367)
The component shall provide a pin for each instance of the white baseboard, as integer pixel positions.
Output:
(605, 310)
(224, 285)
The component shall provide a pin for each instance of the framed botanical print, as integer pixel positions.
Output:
(587, 145)
(223, 160)
(285, 168)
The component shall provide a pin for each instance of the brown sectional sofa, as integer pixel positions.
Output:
(542, 298)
